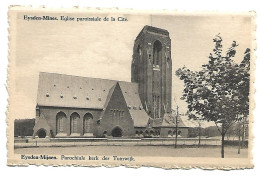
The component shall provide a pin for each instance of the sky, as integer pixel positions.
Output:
(104, 49)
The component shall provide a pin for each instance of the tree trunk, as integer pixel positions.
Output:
(243, 135)
(176, 136)
(223, 140)
(199, 135)
(239, 144)
(222, 144)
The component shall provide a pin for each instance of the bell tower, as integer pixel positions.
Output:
(152, 70)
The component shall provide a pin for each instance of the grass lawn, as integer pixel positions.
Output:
(230, 152)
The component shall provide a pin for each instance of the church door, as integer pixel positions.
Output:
(41, 133)
(117, 132)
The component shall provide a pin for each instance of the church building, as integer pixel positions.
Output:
(73, 106)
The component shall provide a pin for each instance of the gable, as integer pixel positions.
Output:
(133, 101)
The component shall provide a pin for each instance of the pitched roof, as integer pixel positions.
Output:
(72, 91)
(169, 120)
(61, 90)
(194, 123)
(154, 30)
(132, 98)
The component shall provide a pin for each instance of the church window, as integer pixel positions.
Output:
(157, 53)
(60, 120)
(114, 113)
(61, 125)
(88, 123)
(168, 62)
(74, 121)
(139, 51)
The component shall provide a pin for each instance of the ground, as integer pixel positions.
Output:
(230, 152)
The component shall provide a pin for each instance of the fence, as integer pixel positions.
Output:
(55, 142)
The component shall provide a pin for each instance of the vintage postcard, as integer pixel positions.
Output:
(110, 87)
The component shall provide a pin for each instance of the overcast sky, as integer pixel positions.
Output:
(104, 49)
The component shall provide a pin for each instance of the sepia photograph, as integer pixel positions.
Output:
(116, 87)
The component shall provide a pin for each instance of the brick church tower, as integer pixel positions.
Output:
(152, 70)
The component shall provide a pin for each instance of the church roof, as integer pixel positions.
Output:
(131, 95)
(72, 91)
(169, 120)
(154, 30)
(59, 90)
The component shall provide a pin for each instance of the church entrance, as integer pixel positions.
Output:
(117, 132)
(41, 133)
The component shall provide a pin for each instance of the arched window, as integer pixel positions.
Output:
(60, 122)
(139, 50)
(146, 133)
(88, 123)
(170, 133)
(151, 133)
(74, 122)
(157, 52)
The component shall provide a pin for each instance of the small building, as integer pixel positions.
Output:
(23, 127)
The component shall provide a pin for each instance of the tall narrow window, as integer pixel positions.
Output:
(114, 113)
(60, 120)
(157, 52)
(139, 51)
(74, 121)
(88, 123)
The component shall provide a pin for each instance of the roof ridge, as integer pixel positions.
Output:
(84, 77)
